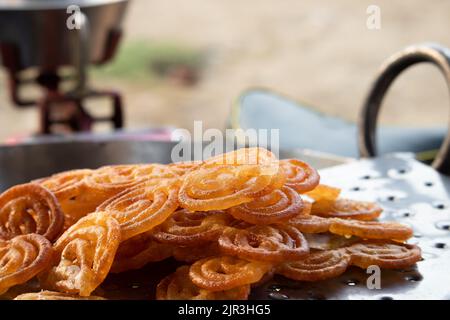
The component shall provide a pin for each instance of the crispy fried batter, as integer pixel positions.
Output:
(22, 258)
(300, 175)
(224, 272)
(143, 207)
(264, 243)
(53, 295)
(178, 286)
(317, 266)
(347, 209)
(278, 206)
(30, 208)
(185, 228)
(84, 255)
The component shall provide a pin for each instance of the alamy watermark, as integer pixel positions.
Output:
(373, 21)
(374, 280)
(75, 19)
(205, 143)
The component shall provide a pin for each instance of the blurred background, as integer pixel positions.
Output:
(181, 61)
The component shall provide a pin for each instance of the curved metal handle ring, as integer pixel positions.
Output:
(435, 54)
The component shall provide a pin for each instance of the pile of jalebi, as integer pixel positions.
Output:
(234, 220)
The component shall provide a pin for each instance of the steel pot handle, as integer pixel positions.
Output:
(434, 53)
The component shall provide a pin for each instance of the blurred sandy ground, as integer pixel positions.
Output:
(320, 52)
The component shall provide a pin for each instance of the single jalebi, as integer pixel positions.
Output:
(178, 286)
(84, 255)
(347, 209)
(113, 179)
(300, 176)
(324, 192)
(138, 251)
(66, 185)
(278, 206)
(143, 207)
(70, 189)
(185, 228)
(384, 255)
(317, 266)
(371, 229)
(264, 243)
(53, 295)
(218, 187)
(225, 272)
(310, 223)
(22, 258)
(30, 208)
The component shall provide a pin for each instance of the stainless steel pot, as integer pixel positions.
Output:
(38, 29)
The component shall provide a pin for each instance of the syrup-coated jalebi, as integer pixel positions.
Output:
(300, 175)
(138, 251)
(371, 229)
(218, 187)
(22, 258)
(66, 185)
(53, 295)
(278, 206)
(84, 255)
(264, 243)
(318, 265)
(185, 228)
(178, 286)
(30, 208)
(143, 207)
(225, 272)
(347, 209)
(384, 255)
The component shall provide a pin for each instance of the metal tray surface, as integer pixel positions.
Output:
(411, 193)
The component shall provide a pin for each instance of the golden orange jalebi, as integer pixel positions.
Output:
(138, 251)
(30, 208)
(236, 219)
(218, 187)
(300, 175)
(185, 228)
(225, 273)
(181, 168)
(178, 286)
(384, 255)
(278, 206)
(310, 223)
(264, 243)
(84, 255)
(143, 207)
(317, 266)
(114, 179)
(324, 193)
(371, 229)
(347, 209)
(22, 258)
(53, 295)
(66, 185)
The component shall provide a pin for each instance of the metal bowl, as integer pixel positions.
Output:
(38, 29)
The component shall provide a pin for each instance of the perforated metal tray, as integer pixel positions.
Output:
(411, 193)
